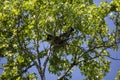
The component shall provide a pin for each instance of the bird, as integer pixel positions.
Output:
(67, 33)
(61, 40)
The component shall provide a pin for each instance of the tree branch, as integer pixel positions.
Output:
(70, 67)
(113, 58)
(25, 50)
(37, 40)
(21, 72)
(76, 63)
(47, 59)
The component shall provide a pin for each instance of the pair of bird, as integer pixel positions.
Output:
(61, 40)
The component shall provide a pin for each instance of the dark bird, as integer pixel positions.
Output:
(61, 40)
(50, 37)
(67, 33)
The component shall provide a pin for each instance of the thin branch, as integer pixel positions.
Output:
(36, 64)
(67, 71)
(25, 50)
(88, 59)
(21, 72)
(95, 47)
(70, 67)
(30, 55)
(112, 58)
(76, 63)
(47, 59)
(39, 62)
(38, 35)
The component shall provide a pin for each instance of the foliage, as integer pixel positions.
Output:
(25, 26)
(118, 75)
